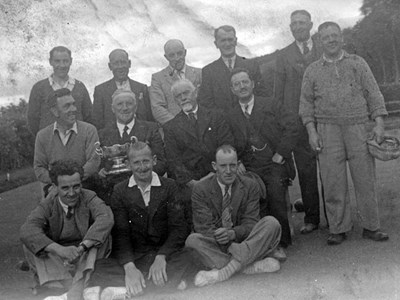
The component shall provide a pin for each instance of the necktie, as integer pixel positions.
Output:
(230, 64)
(192, 118)
(246, 111)
(69, 212)
(226, 209)
(305, 48)
(125, 135)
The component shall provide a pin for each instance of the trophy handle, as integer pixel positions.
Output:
(134, 139)
(99, 150)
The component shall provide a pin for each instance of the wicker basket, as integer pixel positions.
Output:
(387, 150)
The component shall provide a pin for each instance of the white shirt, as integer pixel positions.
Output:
(301, 46)
(69, 84)
(124, 85)
(121, 127)
(226, 61)
(155, 181)
(193, 111)
(249, 105)
(222, 186)
(64, 136)
(180, 74)
(64, 207)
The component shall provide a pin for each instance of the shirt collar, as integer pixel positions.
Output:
(225, 59)
(74, 128)
(70, 81)
(326, 60)
(309, 44)
(172, 70)
(122, 126)
(64, 206)
(193, 111)
(222, 186)
(155, 180)
(250, 104)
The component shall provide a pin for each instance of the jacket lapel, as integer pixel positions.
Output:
(155, 200)
(184, 124)
(216, 197)
(239, 119)
(237, 195)
(203, 120)
(56, 220)
(82, 217)
(257, 115)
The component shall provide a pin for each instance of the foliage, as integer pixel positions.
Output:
(16, 142)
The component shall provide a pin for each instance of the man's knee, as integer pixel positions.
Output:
(194, 240)
(270, 224)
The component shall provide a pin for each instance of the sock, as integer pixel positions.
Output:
(231, 268)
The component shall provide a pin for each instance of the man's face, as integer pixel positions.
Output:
(300, 25)
(61, 62)
(141, 163)
(242, 86)
(225, 166)
(65, 110)
(119, 65)
(175, 53)
(124, 108)
(69, 188)
(226, 43)
(186, 97)
(332, 41)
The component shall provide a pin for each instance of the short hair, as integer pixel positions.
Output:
(59, 49)
(64, 167)
(182, 82)
(117, 50)
(52, 98)
(119, 93)
(226, 148)
(240, 70)
(301, 12)
(138, 146)
(227, 28)
(328, 24)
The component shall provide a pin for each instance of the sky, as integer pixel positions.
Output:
(92, 28)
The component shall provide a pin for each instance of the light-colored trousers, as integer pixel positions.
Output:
(262, 240)
(341, 144)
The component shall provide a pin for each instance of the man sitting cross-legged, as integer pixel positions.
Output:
(229, 235)
(149, 232)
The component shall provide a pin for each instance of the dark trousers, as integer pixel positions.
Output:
(306, 165)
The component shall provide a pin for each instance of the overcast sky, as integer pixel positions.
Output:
(92, 28)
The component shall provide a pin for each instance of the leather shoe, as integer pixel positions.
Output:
(377, 235)
(308, 228)
(336, 238)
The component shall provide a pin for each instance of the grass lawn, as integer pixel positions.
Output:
(17, 178)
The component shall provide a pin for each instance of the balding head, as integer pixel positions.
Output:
(175, 53)
(119, 64)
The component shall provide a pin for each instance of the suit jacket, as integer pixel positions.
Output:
(280, 133)
(207, 206)
(215, 90)
(43, 226)
(102, 113)
(163, 104)
(145, 132)
(190, 153)
(138, 229)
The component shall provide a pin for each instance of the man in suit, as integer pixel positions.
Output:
(39, 114)
(264, 142)
(120, 132)
(291, 64)
(67, 232)
(163, 104)
(119, 65)
(229, 235)
(215, 91)
(149, 231)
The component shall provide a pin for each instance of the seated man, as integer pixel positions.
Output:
(67, 232)
(149, 231)
(66, 138)
(229, 235)
(124, 107)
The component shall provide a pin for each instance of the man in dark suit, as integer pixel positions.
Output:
(264, 144)
(149, 231)
(229, 235)
(215, 91)
(291, 64)
(119, 65)
(120, 131)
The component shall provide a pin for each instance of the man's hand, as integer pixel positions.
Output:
(134, 280)
(158, 271)
(223, 236)
(378, 132)
(191, 183)
(314, 138)
(278, 159)
(70, 253)
(241, 170)
(103, 173)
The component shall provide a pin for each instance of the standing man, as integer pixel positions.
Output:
(163, 104)
(264, 141)
(119, 65)
(66, 138)
(39, 114)
(338, 95)
(215, 91)
(229, 235)
(291, 64)
(65, 234)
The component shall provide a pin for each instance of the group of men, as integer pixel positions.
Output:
(208, 194)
